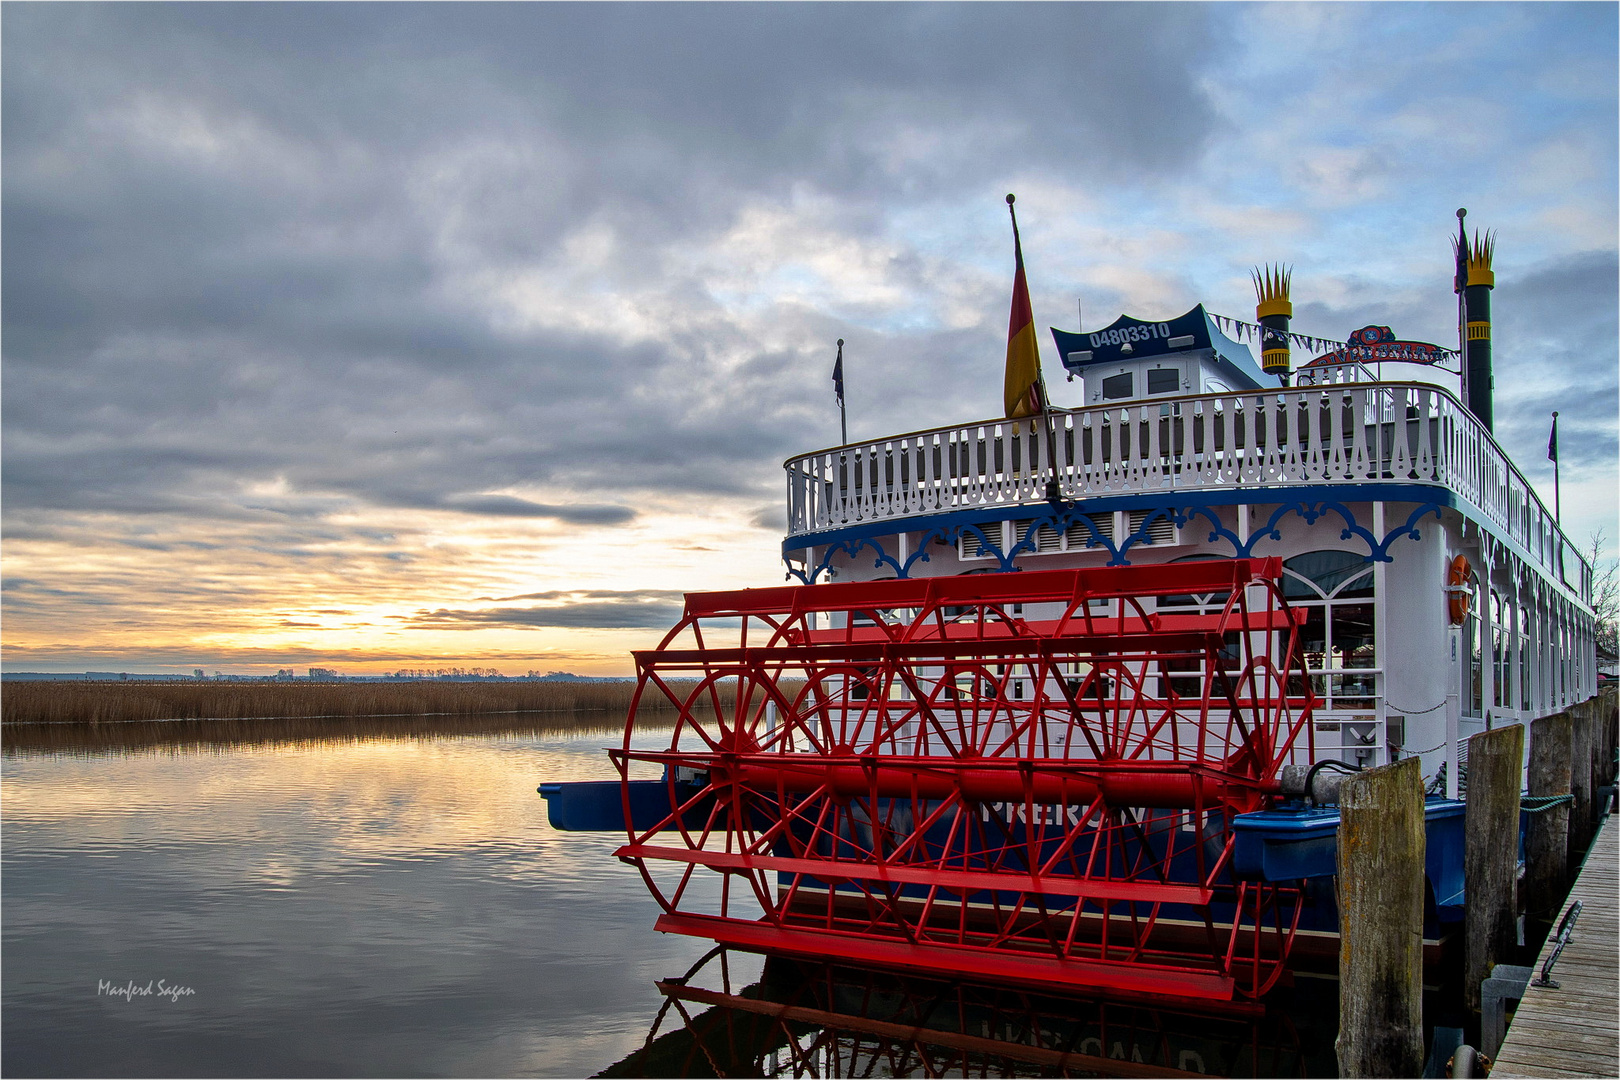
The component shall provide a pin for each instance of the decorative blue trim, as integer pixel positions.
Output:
(986, 544)
(1309, 502)
(852, 548)
(1170, 498)
(1061, 520)
(1377, 550)
(1142, 533)
(935, 535)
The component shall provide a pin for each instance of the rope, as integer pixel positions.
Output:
(1542, 802)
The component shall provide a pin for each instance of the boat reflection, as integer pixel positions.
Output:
(808, 1019)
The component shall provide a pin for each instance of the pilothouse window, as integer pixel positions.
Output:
(1163, 381)
(1117, 386)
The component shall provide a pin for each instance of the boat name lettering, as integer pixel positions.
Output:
(1045, 813)
(1144, 332)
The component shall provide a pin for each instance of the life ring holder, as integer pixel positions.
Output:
(1458, 594)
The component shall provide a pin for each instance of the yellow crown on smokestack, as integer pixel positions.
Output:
(1273, 312)
(1271, 290)
(1479, 260)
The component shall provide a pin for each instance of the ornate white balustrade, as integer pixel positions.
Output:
(1338, 434)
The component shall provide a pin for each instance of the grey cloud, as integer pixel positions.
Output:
(511, 506)
(610, 615)
(612, 595)
(771, 516)
(244, 281)
(1554, 329)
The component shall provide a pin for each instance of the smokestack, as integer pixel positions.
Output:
(1272, 312)
(1475, 280)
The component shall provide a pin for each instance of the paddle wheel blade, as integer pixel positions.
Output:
(1028, 776)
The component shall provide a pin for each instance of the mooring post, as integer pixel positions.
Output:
(1546, 839)
(1608, 712)
(1381, 849)
(1491, 854)
(1600, 767)
(1580, 782)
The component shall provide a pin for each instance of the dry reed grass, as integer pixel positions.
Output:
(79, 701)
(181, 736)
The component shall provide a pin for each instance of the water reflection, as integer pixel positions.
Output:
(807, 1019)
(379, 899)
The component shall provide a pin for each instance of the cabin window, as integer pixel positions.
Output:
(1117, 386)
(1164, 381)
(1525, 655)
(1335, 588)
(1473, 655)
(1188, 679)
(1501, 654)
(860, 688)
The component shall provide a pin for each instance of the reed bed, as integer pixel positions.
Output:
(182, 736)
(85, 702)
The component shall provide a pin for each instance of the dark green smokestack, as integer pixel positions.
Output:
(1475, 280)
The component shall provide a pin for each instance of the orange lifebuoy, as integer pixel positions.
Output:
(1457, 592)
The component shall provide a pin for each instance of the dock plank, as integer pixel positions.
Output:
(1575, 1029)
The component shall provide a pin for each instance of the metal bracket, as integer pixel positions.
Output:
(1566, 927)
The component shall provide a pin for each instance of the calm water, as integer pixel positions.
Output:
(388, 905)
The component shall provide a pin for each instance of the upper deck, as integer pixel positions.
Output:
(1267, 444)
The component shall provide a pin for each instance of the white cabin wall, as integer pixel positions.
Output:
(1419, 670)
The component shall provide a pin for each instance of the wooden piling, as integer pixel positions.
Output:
(1581, 758)
(1491, 854)
(1381, 849)
(1546, 840)
(1595, 743)
(1608, 720)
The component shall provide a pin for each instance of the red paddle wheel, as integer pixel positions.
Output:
(1030, 777)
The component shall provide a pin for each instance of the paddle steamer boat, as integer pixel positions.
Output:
(1057, 696)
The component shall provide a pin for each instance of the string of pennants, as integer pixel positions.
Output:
(1238, 330)
(1242, 331)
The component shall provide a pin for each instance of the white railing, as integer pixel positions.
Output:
(1339, 434)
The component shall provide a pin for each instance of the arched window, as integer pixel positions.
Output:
(1203, 604)
(1502, 650)
(1473, 634)
(1337, 637)
(1521, 632)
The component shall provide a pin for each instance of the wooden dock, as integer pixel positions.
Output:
(1575, 1029)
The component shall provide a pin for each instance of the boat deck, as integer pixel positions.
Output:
(1574, 1030)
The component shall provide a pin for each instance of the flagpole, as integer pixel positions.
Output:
(1462, 310)
(1054, 492)
(1558, 513)
(838, 378)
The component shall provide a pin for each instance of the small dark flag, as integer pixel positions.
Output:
(838, 374)
(1552, 441)
(1460, 247)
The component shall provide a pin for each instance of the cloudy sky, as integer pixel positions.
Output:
(387, 336)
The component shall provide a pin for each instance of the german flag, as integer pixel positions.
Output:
(1022, 389)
